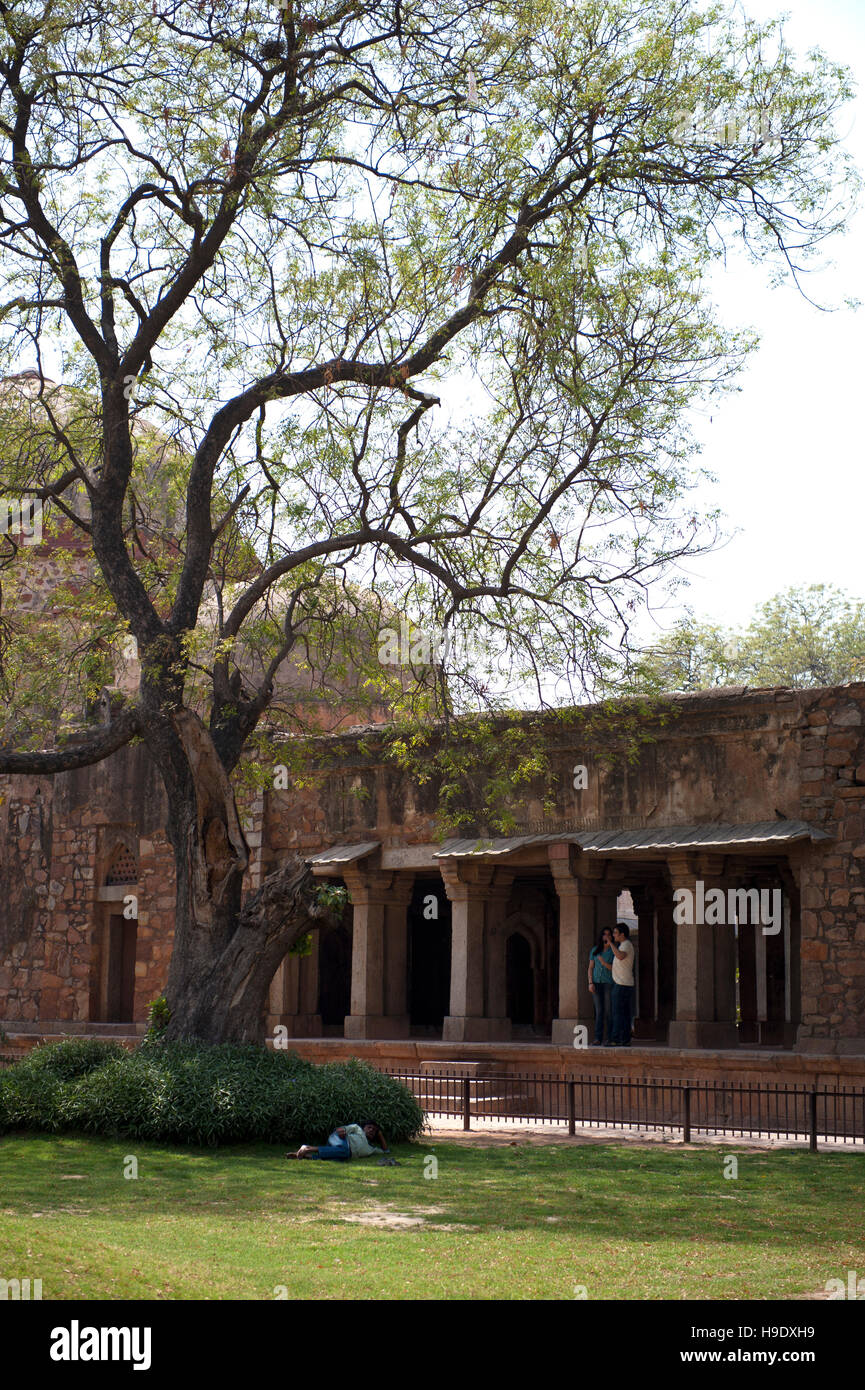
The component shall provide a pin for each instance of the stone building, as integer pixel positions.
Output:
(755, 796)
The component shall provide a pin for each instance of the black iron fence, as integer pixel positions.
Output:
(760, 1109)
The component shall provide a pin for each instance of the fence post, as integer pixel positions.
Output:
(572, 1108)
(467, 1103)
(812, 1108)
(686, 1117)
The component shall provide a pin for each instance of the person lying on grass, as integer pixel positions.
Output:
(347, 1141)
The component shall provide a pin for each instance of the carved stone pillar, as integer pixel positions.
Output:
(645, 1026)
(498, 897)
(308, 1023)
(705, 960)
(666, 973)
(469, 887)
(281, 1001)
(746, 936)
(378, 959)
(585, 905)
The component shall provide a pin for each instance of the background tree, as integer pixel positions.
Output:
(807, 636)
(282, 238)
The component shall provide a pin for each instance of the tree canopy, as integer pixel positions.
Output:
(808, 636)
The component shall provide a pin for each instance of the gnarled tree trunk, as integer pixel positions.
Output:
(224, 1001)
(225, 952)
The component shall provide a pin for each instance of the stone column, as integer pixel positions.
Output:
(705, 961)
(665, 978)
(498, 897)
(378, 955)
(293, 996)
(283, 997)
(468, 886)
(725, 972)
(747, 940)
(308, 1023)
(776, 977)
(607, 894)
(396, 950)
(644, 906)
(793, 947)
(580, 907)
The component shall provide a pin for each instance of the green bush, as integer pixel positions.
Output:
(30, 1099)
(72, 1057)
(190, 1093)
(158, 1017)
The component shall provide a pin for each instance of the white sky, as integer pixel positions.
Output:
(788, 449)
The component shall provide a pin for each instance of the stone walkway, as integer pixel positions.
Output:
(486, 1133)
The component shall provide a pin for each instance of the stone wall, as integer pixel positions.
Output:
(729, 756)
(833, 885)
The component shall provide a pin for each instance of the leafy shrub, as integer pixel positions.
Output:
(353, 1091)
(158, 1016)
(190, 1093)
(29, 1099)
(72, 1057)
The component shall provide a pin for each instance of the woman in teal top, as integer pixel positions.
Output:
(601, 986)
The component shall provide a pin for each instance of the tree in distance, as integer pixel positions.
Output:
(808, 636)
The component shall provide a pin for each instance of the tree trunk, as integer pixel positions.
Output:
(225, 1001)
(225, 953)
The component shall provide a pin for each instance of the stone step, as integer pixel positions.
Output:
(472, 1069)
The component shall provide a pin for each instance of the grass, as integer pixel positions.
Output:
(531, 1222)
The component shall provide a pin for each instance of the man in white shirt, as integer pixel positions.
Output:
(623, 985)
(346, 1142)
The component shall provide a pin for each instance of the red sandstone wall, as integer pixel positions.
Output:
(833, 885)
(46, 887)
(726, 756)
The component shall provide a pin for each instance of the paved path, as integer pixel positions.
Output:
(486, 1133)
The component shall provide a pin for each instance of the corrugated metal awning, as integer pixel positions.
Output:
(662, 837)
(768, 832)
(342, 854)
(464, 849)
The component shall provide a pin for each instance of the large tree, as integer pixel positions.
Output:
(412, 295)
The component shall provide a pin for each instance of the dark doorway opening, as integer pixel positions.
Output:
(116, 1002)
(429, 956)
(520, 979)
(334, 976)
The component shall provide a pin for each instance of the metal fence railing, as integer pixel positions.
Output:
(758, 1109)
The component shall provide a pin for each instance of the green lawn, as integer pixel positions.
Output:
(531, 1222)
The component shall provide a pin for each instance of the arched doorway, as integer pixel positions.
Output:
(520, 980)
